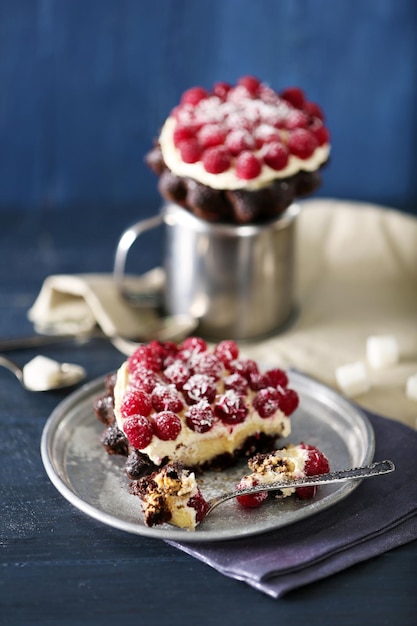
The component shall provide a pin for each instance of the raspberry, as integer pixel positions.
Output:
(208, 363)
(194, 344)
(162, 350)
(177, 112)
(258, 381)
(145, 355)
(200, 417)
(190, 150)
(294, 96)
(265, 133)
(231, 408)
(296, 119)
(251, 83)
(236, 121)
(238, 383)
(211, 135)
(314, 110)
(238, 140)
(166, 398)
(266, 402)
(288, 401)
(305, 493)
(302, 143)
(166, 425)
(203, 118)
(268, 95)
(190, 347)
(277, 378)
(194, 95)
(275, 155)
(198, 503)
(177, 373)
(320, 132)
(184, 114)
(246, 367)
(316, 463)
(221, 89)
(144, 379)
(249, 369)
(216, 160)
(227, 351)
(169, 351)
(238, 95)
(248, 165)
(251, 500)
(136, 402)
(183, 132)
(199, 387)
(138, 429)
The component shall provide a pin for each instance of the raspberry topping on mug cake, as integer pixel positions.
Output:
(240, 153)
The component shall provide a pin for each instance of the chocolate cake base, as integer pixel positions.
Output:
(238, 206)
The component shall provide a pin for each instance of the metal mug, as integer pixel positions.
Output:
(237, 280)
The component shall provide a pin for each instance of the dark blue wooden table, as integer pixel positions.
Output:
(58, 566)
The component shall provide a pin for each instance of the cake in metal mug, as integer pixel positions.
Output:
(240, 153)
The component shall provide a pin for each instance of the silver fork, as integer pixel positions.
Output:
(368, 471)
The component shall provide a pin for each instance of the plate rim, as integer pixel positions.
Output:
(94, 386)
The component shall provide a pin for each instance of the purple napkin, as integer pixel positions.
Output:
(379, 515)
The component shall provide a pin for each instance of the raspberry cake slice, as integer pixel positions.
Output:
(192, 405)
(240, 153)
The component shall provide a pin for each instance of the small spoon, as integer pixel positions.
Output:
(43, 374)
(374, 469)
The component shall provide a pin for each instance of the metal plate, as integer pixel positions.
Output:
(95, 482)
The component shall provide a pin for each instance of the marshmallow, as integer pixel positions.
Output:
(382, 351)
(352, 379)
(411, 387)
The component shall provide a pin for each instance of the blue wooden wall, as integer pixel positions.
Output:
(85, 85)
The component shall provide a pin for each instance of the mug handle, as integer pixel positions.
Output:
(126, 241)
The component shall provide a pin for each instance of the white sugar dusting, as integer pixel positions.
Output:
(238, 109)
(115, 497)
(84, 447)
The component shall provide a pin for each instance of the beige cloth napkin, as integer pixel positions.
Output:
(75, 304)
(356, 277)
